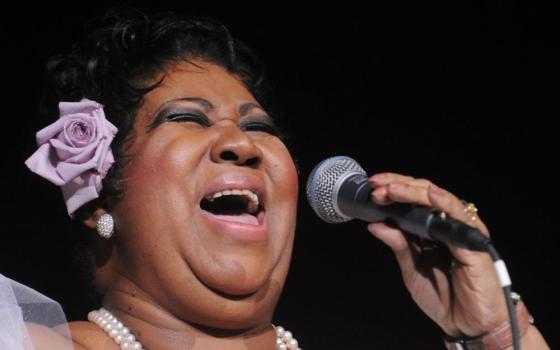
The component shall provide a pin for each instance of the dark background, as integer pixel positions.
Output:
(460, 93)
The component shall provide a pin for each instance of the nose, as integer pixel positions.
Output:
(236, 147)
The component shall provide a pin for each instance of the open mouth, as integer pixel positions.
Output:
(237, 205)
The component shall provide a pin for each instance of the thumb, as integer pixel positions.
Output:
(391, 236)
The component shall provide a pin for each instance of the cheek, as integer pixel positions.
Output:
(156, 183)
(283, 173)
(157, 199)
(284, 183)
(290, 186)
(167, 154)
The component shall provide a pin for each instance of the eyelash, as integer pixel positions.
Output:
(199, 119)
(203, 121)
(264, 127)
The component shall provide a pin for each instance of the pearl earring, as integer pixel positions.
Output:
(105, 226)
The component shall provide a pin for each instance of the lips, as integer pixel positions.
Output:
(247, 219)
(242, 201)
(233, 205)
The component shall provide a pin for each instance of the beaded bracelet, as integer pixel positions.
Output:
(498, 339)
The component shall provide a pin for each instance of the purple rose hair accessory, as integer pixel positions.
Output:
(74, 152)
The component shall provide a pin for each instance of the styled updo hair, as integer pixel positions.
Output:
(117, 63)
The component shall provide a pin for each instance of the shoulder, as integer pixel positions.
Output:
(46, 338)
(90, 337)
(85, 336)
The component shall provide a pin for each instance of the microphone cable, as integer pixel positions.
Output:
(505, 282)
(325, 183)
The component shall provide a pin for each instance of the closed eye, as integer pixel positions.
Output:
(190, 117)
(260, 126)
(249, 124)
(180, 117)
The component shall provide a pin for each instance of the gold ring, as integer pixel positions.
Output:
(470, 209)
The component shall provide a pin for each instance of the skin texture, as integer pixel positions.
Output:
(179, 283)
(461, 293)
(167, 271)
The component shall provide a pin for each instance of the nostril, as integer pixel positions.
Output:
(252, 162)
(229, 155)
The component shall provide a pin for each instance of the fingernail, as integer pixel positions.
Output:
(379, 192)
(377, 177)
(436, 190)
(396, 186)
(374, 227)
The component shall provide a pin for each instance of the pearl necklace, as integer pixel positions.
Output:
(127, 341)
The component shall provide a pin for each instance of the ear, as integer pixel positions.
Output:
(91, 219)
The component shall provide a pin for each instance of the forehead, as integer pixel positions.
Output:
(205, 80)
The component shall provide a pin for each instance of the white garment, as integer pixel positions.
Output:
(20, 304)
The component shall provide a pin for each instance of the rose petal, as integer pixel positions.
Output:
(104, 157)
(71, 154)
(79, 132)
(74, 151)
(84, 106)
(110, 129)
(107, 163)
(42, 164)
(49, 132)
(69, 171)
(80, 191)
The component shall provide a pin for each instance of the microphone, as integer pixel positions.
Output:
(338, 191)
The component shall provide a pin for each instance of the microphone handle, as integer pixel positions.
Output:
(353, 200)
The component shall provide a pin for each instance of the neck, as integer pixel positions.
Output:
(157, 328)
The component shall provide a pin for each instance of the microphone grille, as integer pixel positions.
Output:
(322, 186)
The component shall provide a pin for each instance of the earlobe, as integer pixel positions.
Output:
(91, 220)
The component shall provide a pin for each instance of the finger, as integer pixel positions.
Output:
(405, 253)
(379, 196)
(450, 204)
(382, 179)
(405, 193)
(433, 196)
(396, 240)
(447, 202)
(391, 236)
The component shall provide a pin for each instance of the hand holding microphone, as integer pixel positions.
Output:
(462, 298)
(339, 190)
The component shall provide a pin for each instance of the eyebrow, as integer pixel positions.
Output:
(244, 108)
(208, 106)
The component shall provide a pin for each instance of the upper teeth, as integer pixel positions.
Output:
(253, 198)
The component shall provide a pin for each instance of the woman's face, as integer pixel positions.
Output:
(189, 231)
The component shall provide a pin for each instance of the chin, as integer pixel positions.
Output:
(235, 276)
(240, 293)
(247, 311)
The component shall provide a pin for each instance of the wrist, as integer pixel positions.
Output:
(500, 338)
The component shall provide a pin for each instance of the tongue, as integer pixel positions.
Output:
(243, 218)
